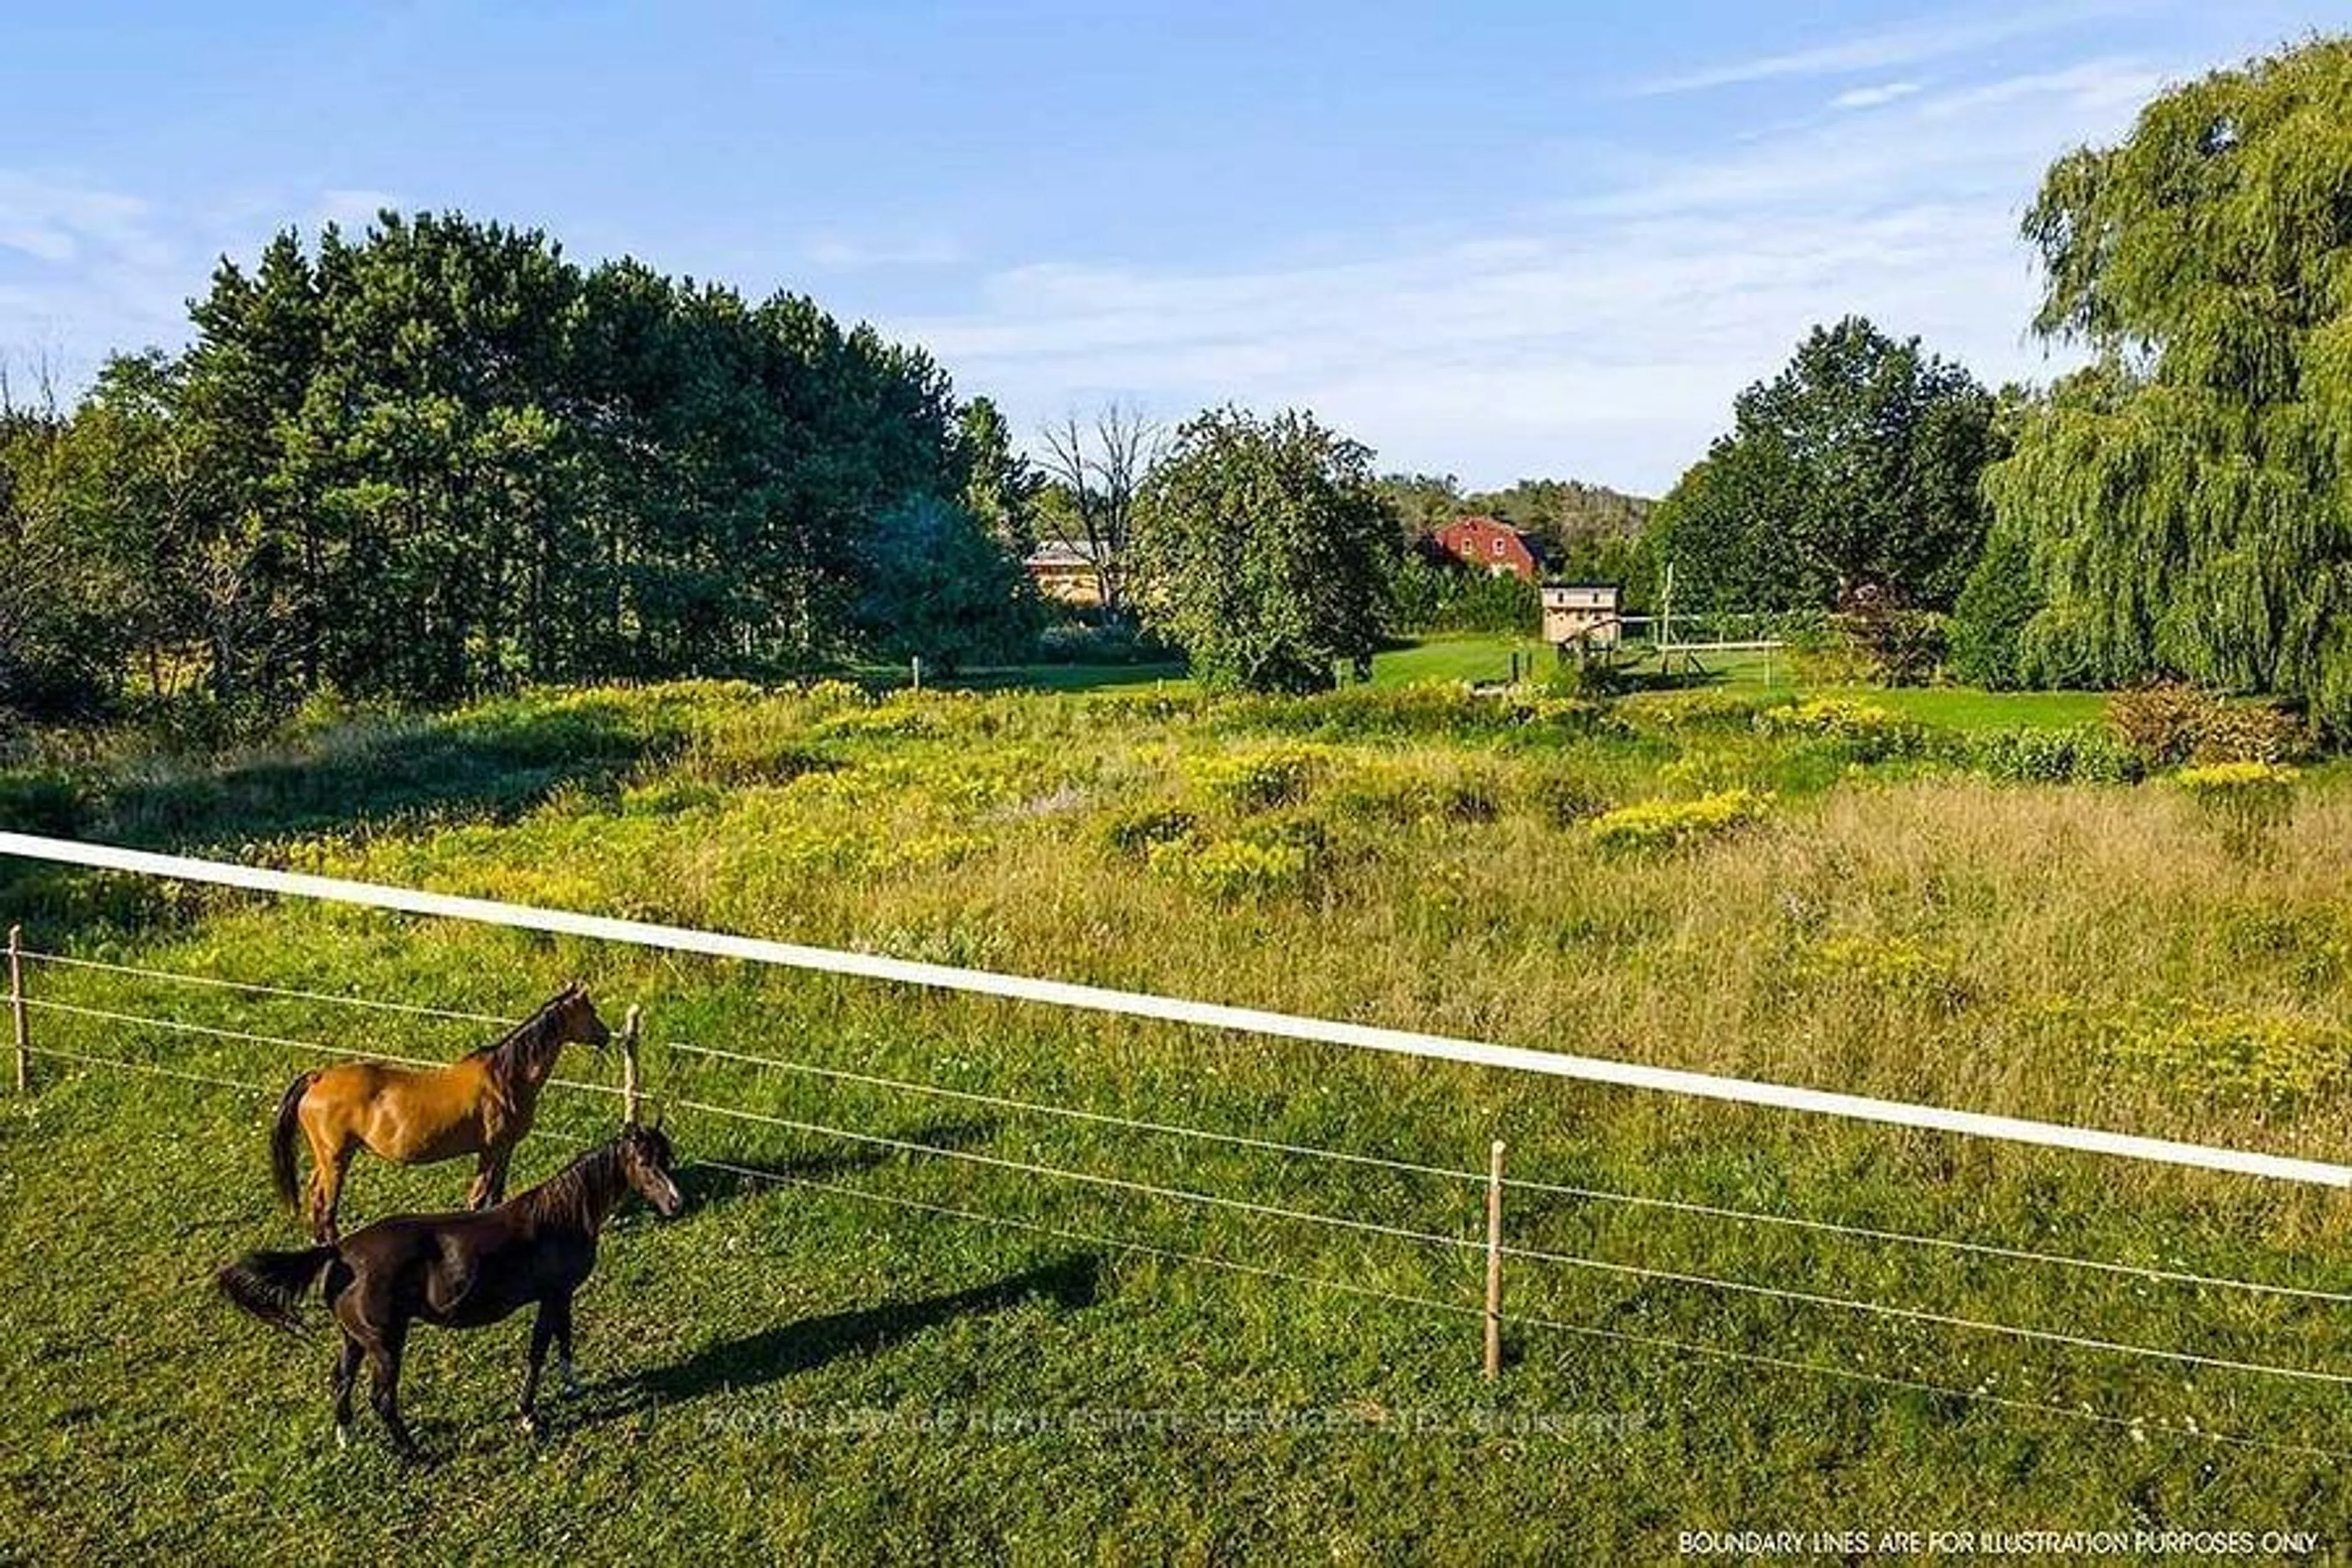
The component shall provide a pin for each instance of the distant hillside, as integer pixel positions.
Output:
(1565, 513)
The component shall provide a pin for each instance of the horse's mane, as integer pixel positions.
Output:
(570, 1194)
(529, 1035)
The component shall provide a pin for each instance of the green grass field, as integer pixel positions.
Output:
(833, 1372)
(1485, 659)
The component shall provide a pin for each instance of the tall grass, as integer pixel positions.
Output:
(1889, 925)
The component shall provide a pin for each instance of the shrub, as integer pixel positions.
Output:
(1358, 712)
(2082, 753)
(1563, 799)
(2233, 1057)
(1524, 709)
(2173, 722)
(2161, 723)
(2212, 781)
(735, 760)
(1679, 711)
(1233, 867)
(1137, 830)
(1904, 646)
(1831, 657)
(2248, 800)
(1990, 618)
(669, 797)
(1118, 643)
(834, 696)
(1895, 966)
(1870, 734)
(1672, 823)
(2251, 733)
(1255, 781)
(1705, 771)
(41, 803)
(1589, 679)
(1120, 707)
(896, 720)
(1434, 709)
(1445, 595)
(1394, 792)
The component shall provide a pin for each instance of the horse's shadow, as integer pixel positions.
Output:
(755, 1359)
(739, 1176)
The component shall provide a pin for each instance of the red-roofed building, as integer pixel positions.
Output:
(1490, 545)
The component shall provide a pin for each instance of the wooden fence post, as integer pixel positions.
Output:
(1495, 1262)
(632, 1094)
(16, 1008)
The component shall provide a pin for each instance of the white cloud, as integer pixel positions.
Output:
(74, 255)
(1911, 44)
(2092, 86)
(1603, 336)
(1874, 96)
(86, 271)
(840, 254)
(60, 222)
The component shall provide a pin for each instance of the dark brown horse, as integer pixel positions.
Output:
(460, 1272)
(480, 1104)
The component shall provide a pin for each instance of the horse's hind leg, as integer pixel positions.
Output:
(384, 1372)
(347, 1371)
(564, 1344)
(543, 1330)
(327, 1164)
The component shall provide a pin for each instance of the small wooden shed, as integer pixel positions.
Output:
(1580, 614)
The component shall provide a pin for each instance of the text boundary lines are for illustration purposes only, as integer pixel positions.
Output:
(1166, 1009)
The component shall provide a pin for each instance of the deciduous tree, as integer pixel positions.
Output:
(1855, 468)
(1265, 551)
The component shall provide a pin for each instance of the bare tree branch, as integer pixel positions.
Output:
(1102, 469)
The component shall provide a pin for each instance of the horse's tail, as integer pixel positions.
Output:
(270, 1285)
(281, 1142)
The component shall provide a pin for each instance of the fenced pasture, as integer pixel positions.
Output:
(984, 1285)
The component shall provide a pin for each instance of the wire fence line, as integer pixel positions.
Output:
(182, 977)
(1534, 1255)
(2138, 1427)
(2188, 1432)
(285, 1042)
(2180, 1277)
(182, 1074)
(1948, 1243)
(1648, 1274)
(1086, 1178)
(1306, 1150)
(1521, 1183)
(646, 934)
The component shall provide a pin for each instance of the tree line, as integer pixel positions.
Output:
(442, 458)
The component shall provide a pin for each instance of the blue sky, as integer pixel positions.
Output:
(1492, 241)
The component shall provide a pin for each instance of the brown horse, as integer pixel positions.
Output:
(480, 1104)
(460, 1272)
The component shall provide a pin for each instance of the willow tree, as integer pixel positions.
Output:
(2187, 499)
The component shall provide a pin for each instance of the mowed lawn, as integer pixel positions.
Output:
(872, 1349)
(1484, 658)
